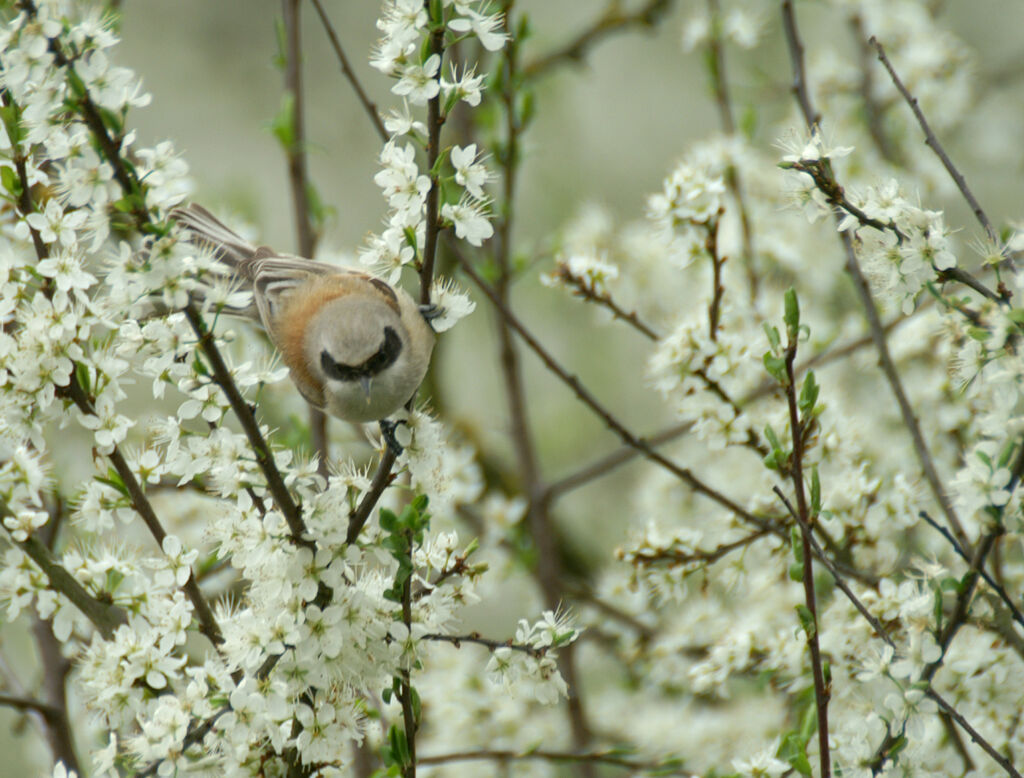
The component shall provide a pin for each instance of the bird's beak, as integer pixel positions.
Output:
(365, 383)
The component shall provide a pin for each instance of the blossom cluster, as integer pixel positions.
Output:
(411, 51)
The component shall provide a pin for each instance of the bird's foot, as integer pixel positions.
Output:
(387, 431)
(431, 311)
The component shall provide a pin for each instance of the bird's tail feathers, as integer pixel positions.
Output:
(207, 231)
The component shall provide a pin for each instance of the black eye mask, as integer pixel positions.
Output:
(382, 360)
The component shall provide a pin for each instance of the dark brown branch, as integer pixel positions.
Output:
(28, 705)
(610, 462)
(56, 668)
(104, 616)
(74, 392)
(873, 111)
(381, 480)
(538, 520)
(346, 68)
(405, 694)
(264, 457)
(796, 58)
(434, 123)
(976, 736)
(882, 632)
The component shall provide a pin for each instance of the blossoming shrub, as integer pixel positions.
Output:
(817, 567)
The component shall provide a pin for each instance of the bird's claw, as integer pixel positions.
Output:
(431, 311)
(387, 432)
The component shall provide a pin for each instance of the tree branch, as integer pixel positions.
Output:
(867, 301)
(612, 20)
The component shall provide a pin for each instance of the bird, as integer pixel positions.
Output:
(355, 346)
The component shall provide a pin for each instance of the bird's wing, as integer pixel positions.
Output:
(278, 277)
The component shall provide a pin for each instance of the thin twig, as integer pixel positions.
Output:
(406, 691)
(798, 426)
(698, 556)
(610, 462)
(608, 758)
(644, 447)
(493, 645)
(723, 101)
(368, 105)
(74, 392)
(548, 568)
(867, 301)
(56, 668)
(1015, 611)
(873, 111)
(28, 704)
(381, 480)
(933, 143)
(142, 506)
(883, 633)
(264, 457)
(612, 20)
(976, 736)
(621, 456)
(584, 288)
(298, 179)
(796, 58)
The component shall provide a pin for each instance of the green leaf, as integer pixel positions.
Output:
(815, 492)
(523, 28)
(776, 367)
(114, 480)
(806, 619)
(793, 749)
(10, 115)
(82, 376)
(796, 572)
(388, 520)
(808, 395)
(796, 544)
(417, 706)
(280, 59)
(748, 121)
(773, 336)
(283, 124)
(526, 107)
(113, 580)
(10, 182)
(792, 313)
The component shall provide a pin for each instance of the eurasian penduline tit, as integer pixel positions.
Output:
(355, 346)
